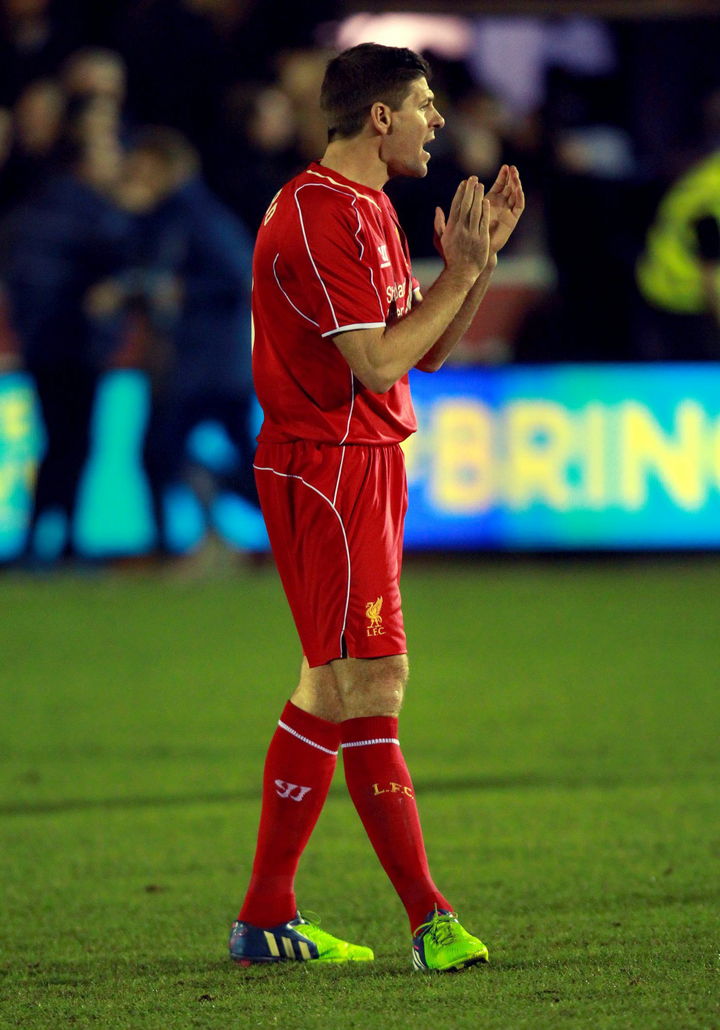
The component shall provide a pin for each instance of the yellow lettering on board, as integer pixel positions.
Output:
(462, 473)
(675, 458)
(595, 423)
(540, 444)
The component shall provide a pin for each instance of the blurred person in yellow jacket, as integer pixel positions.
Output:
(678, 273)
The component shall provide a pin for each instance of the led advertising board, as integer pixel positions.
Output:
(559, 457)
(566, 456)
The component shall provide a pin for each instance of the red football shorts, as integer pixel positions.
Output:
(335, 519)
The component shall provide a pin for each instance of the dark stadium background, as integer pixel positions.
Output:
(601, 105)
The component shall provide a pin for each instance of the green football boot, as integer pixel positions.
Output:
(298, 940)
(442, 945)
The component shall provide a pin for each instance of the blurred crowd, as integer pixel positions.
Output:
(141, 142)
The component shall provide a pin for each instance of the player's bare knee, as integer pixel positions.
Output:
(317, 693)
(372, 686)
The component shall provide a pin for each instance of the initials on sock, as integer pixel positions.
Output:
(383, 794)
(298, 771)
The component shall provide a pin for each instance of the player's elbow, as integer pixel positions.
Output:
(427, 364)
(376, 381)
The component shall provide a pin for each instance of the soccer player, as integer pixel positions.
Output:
(339, 322)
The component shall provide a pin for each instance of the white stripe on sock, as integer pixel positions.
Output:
(305, 740)
(377, 740)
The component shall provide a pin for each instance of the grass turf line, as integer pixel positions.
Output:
(561, 725)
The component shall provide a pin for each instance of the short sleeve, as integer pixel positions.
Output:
(342, 290)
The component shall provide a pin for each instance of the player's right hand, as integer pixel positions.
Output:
(464, 240)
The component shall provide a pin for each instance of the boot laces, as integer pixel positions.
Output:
(442, 930)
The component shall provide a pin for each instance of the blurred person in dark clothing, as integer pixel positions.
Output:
(94, 81)
(34, 40)
(593, 220)
(186, 236)
(255, 152)
(184, 55)
(95, 72)
(85, 99)
(38, 117)
(54, 248)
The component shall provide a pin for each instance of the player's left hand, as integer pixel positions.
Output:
(507, 203)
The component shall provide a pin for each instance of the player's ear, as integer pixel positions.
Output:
(380, 117)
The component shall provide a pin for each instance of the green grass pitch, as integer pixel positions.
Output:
(562, 728)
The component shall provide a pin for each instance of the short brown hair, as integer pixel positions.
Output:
(358, 77)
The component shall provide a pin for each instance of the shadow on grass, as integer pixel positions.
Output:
(522, 781)
(190, 972)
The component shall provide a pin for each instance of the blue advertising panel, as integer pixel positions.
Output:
(548, 457)
(566, 456)
(21, 443)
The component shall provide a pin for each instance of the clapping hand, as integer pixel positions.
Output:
(507, 203)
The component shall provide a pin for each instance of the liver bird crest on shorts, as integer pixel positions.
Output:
(372, 610)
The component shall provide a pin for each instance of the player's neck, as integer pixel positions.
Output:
(357, 160)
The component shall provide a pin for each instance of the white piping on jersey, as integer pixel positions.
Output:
(361, 246)
(347, 427)
(362, 254)
(289, 475)
(353, 202)
(312, 259)
(345, 186)
(340, 466)
(376, 740)
(305, 740)
(357, 325)
(301, 313)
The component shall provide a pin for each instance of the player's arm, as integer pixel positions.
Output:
(438, 354)
(507, 203)
(380, 357)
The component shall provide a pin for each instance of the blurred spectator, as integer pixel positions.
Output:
(37, 125)
(34, 39)
(301, 73)
(94, 82)
(186, 236)
(38, 117)
(255, 152)
(95, 72)
(679, 270)
(592, 220)
(54, 247)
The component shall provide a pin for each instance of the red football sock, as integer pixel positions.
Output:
(382, 791)
(298, 771)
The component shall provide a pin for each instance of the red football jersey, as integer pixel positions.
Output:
(330, 257)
